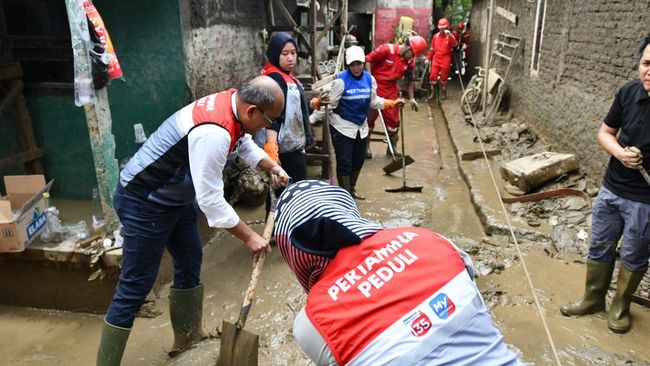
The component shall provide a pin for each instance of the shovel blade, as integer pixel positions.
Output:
(238, 347)
(397, 164)
(404, 188)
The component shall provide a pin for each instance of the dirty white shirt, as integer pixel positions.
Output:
(345, 127)
(208, 147)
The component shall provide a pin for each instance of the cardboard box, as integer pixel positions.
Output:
(25, 194)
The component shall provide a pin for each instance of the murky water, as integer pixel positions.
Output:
(45, 337)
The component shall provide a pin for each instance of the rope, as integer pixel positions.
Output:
(505, 214)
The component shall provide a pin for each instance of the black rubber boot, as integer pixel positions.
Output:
(368, 151)
(112, 344)
(344, 182)
(599, 275)
(186, 315)
(619, 320)
(353, 185)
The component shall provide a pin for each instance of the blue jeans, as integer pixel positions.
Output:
(350, 153)
(148, 228)
(613, 217)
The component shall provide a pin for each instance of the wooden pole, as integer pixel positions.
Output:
(312, 21)
(488, 46)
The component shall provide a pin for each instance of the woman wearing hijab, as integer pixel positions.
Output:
(403, 296)
(288, 135)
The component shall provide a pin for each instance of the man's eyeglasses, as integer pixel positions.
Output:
(269, 121)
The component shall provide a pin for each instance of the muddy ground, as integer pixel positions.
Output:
(456, 202)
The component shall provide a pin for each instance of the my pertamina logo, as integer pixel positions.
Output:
(442, 306)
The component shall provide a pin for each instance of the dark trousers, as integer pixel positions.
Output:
(350, 153)
(295, 164)
(148, 228)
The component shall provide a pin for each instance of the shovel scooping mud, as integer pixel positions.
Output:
(404, 187)
(398, 161)
(238, 346)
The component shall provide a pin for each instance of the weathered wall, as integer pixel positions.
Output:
(388, 13)
(223, 43)
(147, 38)
(587, 52)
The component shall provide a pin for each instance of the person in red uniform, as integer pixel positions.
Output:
(440, 56)
(378, 296)
(388, 64)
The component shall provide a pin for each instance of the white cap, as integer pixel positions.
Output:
(354, 53)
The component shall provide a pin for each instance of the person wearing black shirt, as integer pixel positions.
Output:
(623, 204)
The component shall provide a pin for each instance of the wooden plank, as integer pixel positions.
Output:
(328, 26)
(25, 130)
(502, 55)
(21, 158)
(285, 13)
(9, 99)
(510, 16)
(11, 71)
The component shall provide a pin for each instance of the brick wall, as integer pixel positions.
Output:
(588, 51)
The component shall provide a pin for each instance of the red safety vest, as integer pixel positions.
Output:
(386, 297)
(387, 66)
(217, 109)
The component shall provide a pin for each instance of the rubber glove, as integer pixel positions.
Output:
(314, 103)
(414, 104)
(271, 148)
(279, 178)
(390, 104)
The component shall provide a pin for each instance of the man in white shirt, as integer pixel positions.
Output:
(179, 168)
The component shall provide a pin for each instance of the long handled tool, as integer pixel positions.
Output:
(238, 346)
(404, 187)
(397, 163)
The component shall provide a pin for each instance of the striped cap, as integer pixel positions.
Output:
(313, 220)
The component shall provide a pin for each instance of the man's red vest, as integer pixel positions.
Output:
(388, 296)
(217, 109)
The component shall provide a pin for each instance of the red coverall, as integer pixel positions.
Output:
(440, 55)
(387, 68)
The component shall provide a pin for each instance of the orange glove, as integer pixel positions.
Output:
(390, 104)
(315, 103)
(271, 148)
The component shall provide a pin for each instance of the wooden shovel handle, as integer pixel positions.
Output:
(257, 269)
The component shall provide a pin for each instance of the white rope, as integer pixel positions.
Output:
(505, 214)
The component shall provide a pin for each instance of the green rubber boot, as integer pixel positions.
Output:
(619, 320)
(112, 344)
(344, 182)
(443, 91)
(186, 314)
(393, 139)
(353, 185)
(599, 275)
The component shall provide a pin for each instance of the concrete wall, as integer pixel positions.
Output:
(222, 41)
(588, 51)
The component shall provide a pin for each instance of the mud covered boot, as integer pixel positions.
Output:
(443, 91)
(344, 182)
(353, 184)
(599, 275)
(393, 139)
(112, 344)
(186, 315)
(619, 320)
(368, 151)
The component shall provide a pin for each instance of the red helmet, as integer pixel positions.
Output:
(443, 23)
(460, 26)
(418, 45)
